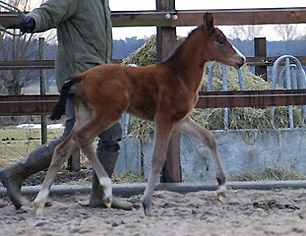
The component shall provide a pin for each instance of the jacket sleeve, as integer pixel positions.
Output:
(52, 13)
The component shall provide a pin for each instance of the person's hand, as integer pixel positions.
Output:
(26, 25)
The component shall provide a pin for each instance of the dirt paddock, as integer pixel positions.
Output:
(245, 213)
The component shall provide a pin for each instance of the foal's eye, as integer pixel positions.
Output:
(220, 41)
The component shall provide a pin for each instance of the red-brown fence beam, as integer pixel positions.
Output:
(33, 64)
(260, 98)
(27, 65)
(49, 64)
(243, 16)
(250, 16)
(27, 105)
(43, 104)
(9, 20)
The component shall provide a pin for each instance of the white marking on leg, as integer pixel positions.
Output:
(106, 183)
(221, 189)
(221, 193)
(40, 200)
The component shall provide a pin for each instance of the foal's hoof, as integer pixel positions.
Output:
(147, 210)
(222, 197)
(148, 213)
(108, 202)
(221, 193)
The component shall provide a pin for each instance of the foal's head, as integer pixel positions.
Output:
(218, 47)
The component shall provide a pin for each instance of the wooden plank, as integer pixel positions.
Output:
(260, 48)
(140, 18)
(251, 16)
(43, 104)
(9, 20)
(260, 98)
(166, 44)
(20, 105)
(49, 64)
(42, 83)
(27, 65)
(269, 61)
(34, 64)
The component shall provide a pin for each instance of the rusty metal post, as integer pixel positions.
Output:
(260, 49)
(42, 56)
(166, 44)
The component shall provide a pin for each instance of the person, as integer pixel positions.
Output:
(84, 32)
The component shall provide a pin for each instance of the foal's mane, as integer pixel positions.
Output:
(176, 52)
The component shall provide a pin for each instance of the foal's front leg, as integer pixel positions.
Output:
(188, 126)
(161, 140)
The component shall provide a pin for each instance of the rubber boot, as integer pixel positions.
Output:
(108, 159)
(12, 177)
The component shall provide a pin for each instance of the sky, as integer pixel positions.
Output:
(140, 32)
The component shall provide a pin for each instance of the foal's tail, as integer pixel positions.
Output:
(59, 109)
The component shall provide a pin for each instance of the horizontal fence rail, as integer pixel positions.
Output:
(253, 16)
(33, 64)
(27, 65)
(18, 105)
(43, 104)
(260, 98)
(49, 64)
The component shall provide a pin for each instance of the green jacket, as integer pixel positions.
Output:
(84, 31)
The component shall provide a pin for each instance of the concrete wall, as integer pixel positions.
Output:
(240, 151)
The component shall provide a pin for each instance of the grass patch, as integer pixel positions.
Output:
(128, 178)
(268, 174)
(15, 144)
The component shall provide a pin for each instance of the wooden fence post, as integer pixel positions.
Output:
(260, 49)
(166, 44)
(42, 56)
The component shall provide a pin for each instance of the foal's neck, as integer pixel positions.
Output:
(189, 61)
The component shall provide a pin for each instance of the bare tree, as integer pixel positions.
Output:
(15, 48)
(245, 32)
(286, 32)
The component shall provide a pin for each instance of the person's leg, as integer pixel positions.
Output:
(39, 159)
(107, 152)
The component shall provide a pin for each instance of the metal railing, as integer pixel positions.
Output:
(224, 88)
(290, 77)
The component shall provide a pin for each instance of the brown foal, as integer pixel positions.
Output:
(164, 93)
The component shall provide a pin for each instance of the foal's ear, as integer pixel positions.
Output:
(208, 22)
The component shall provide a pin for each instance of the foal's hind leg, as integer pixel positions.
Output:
(84, 137)
(188, 126)
(161, 140)
(60, 155)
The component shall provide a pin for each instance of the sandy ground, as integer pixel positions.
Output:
(245, 213)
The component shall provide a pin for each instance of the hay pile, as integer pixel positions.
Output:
(256, 118)
(268, 174)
